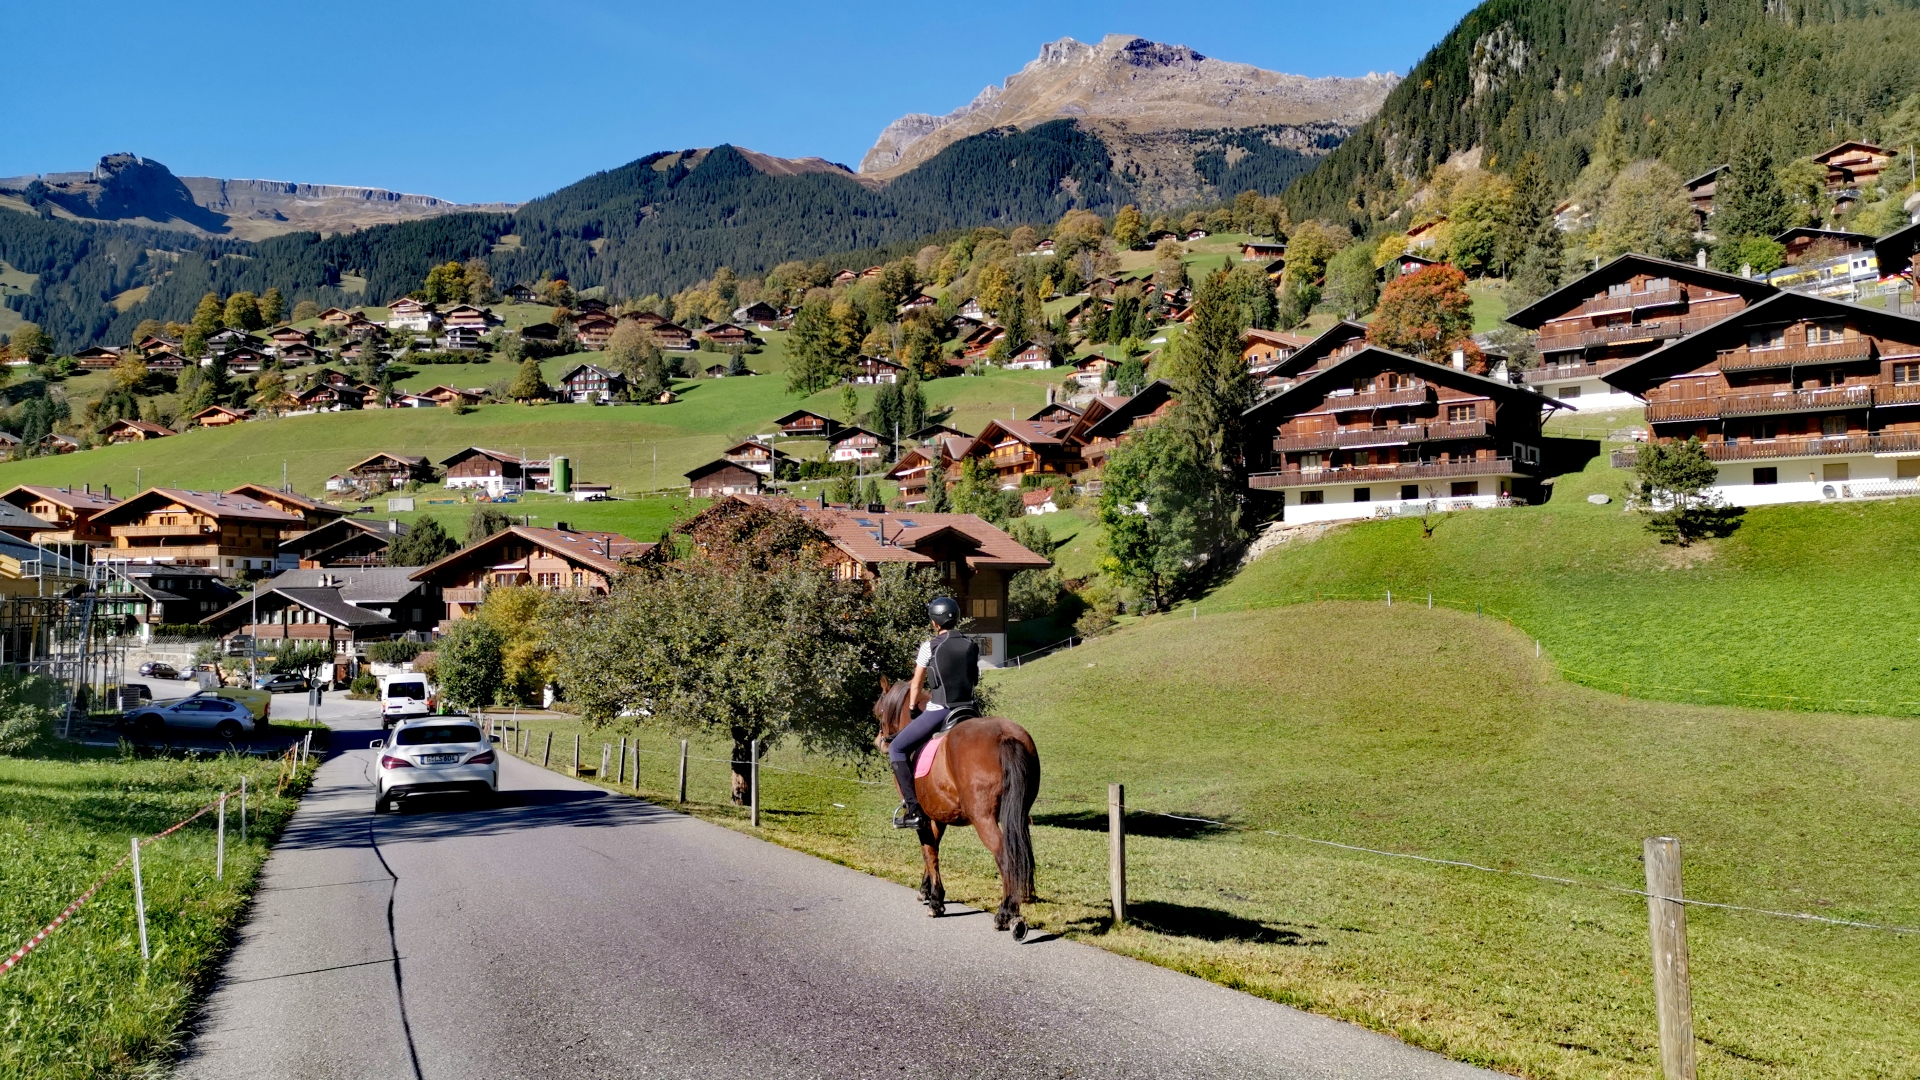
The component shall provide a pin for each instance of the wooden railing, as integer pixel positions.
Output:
(1559, 372)
(1295, 478)
(471, 595)
(1377, 398)
(1899, 442)
(1837, 352)
(165, 530)
(1652, 330)
(1783, 401)
(1387, 436)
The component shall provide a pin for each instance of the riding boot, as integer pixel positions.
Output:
(909, 816)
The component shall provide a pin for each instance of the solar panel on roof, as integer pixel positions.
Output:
(905, 524)
(863, 523)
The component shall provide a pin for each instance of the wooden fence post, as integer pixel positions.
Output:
(1672, 982)
(683, 770)
(1117, 849)
(243, 809)
(220, 844)
(546, 756)
(753, 782)
(620, 775)
(576, 754)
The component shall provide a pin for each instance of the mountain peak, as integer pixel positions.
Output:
(1134, 83)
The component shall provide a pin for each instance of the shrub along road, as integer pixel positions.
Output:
(573, 932)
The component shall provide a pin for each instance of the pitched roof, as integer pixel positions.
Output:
(601, 551)
(1706, 177)
(846, 433)
(893, 536)
(271, 496)
(798, 413)
(216, 504)
(1842, 235)
(398, 459)
(1577, 290)
(1030, 432)
(1333, 337)
(1894, 251)
(90, 501)
(936, 430)
(13, 517)
(480, 451)
(142, 426)
(700, 472)
(1682, 354)
(1850, 144)
(1115, 423)
(1339, 374)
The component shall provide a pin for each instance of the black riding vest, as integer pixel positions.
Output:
(955, 669)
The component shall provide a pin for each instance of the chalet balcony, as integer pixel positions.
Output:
(472, 595)
(1382, 474)
(1418, 394)
(132, 531)
(1784, 401)
(1901, 394)
(1623, 333)
(1838, 352)
(1614, 305)
(1898, 442)
(1553, 373)
(1388, 436)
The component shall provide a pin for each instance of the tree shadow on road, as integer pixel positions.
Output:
(1202, 923)
(439, 816)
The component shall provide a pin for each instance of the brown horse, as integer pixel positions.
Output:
(985, 773)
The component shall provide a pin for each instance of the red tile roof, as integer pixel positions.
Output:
(893, 536)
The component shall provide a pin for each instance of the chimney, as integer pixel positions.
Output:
(1746, 270)
(393, 526)
(562, 526)
(106, 491)
(89, 488)
(1700, 258)
(1460, 359)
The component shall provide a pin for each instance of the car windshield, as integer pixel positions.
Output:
(438, 733)
(406, 690)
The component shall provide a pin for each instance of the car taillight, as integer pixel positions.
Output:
(484, 757)
(387, 761)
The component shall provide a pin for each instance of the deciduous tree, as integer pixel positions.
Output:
(1426, 313)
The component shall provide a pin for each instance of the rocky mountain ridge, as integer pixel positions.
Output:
(1130, 86)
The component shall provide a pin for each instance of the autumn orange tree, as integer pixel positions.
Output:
(1427, 314)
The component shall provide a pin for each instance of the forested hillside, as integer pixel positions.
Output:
(1688, 82)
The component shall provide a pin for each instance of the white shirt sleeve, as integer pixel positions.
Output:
(924, 658)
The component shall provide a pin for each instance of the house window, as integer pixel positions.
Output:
(1568, 392)
(1906, 374)
(1766, 430)
(1834, 471)
(1362, 458)
(1312, 498)
(1774, 337)
(1624, 288)
(579, 579)
(1825, 333)
(1410, 492)
(1459, 414)
(1833, 425)
(1658, 284)
(983, 609)
(1362, 494)
(1766, 475)
(1310, 463)
(1466, 489)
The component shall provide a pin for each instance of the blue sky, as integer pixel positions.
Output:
(486, 100)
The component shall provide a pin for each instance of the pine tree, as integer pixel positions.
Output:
(1749, 200)
(1211, 377)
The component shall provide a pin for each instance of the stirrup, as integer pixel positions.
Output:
(903, 820)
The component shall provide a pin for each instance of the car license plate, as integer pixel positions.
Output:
(439, 759)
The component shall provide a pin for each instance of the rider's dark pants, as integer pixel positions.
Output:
(918, 730)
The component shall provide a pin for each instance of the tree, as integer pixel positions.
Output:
(479, 282)
(243, 311)
(529, 384)
(270, 392)
(30, 341)
(1353, 284)
(1426, 313)
(469, 668)
(1674, 484)
(519, 614)
(850, 403)
(633, 353)
(1645, 210)
(1749, 200)
(1131, 377)
(978, 492)
(1211, 378)
(300, 658)
(207, 315)
(305, 310)
(812, 348)
(1129, 228)
(1160, 521)
(485, 521)
(425, 543)
(272, 306)
(446, 284)
(1310, 248)
(1169, 265)
(130, 372)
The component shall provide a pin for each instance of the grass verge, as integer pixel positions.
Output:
(84, 1004)
(1433, 733)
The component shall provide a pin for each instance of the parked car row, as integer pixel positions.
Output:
(228, 711)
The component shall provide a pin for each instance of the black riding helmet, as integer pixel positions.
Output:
(944, 611)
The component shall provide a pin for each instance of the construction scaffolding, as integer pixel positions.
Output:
(50, 627)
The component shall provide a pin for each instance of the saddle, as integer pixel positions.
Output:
(923, 764)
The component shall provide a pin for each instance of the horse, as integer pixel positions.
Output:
(986, 773)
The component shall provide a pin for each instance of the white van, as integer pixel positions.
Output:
(403, 697)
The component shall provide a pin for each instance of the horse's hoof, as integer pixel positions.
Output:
(935, 911)
(1019, 929)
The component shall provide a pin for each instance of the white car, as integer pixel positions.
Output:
(404, 696)
(434, 754)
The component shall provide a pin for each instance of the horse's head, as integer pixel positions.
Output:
(892, 710)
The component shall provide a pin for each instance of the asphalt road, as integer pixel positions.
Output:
(568, 932)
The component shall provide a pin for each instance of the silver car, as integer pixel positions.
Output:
(227, 719)
(434, 754)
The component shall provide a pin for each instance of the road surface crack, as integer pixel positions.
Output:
(393, 946)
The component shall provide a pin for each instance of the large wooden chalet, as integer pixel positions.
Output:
(1626, 309)
(1380, 433)
(389, 470)
(801, 424)
(491, 471)
(231, 534)
(1797, 398)
(557, 560)
(72, 515)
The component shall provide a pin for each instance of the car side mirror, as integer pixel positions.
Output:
(494, 738)
(376, 744)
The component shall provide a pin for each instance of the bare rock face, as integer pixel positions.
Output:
(1136, 85)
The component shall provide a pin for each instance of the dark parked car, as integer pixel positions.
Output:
(153, 669)
(282, 684)
(228, 719)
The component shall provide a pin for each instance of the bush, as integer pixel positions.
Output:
(470, 666)
(365, 686)
(25, 712)
(185, 631)
(393, 652)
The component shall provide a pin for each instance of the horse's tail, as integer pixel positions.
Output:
(1020, 783)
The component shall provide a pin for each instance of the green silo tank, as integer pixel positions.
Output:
(562, 475)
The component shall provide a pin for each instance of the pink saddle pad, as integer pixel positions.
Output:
(924, 764)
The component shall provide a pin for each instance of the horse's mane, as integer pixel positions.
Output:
(891, 701)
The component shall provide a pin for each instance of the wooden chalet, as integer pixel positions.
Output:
(756, 455)
(1426, 236)
(1837, 242)
(645, 320)
(284, 336)
(977, 344)
(230, 337)
(327, 397)
(1020, 448)
(1055, 412)
(452, 395)
(407, 313)
(313, 512)
(717, 479)
(220, 416)
(672, 336)
(1626, 309)
(591, 305)
(231, 534)
(1093, 370)
(801, 424)
(1109, 420)
(56, 443)
(544, 331)
(592, 331)
(1407, 264)
(154, 343)
(388, 470)
(857, 444)
(346, 608)
(587, 383)
(21, 525)
(468, 317)
(1262, 250)
(871, 370)
(934, 432)
(520, 293)
(759, 315)
(344, 541)
(1029, 356)
(1380, 432)
(915, 472)
(917, 302)
(1796, 398)
(1853, 164)
(1700, 192)
(560, 559)
(1329, 347)
(487, 470)
(727, 334)
(97, 358)
(1263, 350)
(338, 318)
(71, 514)
(245, 361)
(130, 431)
(172, 595)
(843, 277)
(974, 560)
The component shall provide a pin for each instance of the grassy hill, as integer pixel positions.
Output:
(1432, 733)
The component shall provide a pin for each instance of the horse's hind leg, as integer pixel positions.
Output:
(933, 892)
(1008, 913)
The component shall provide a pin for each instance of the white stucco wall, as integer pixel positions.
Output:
(1810, 479)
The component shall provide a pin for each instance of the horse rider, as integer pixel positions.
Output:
(949, 666)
